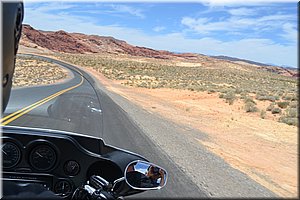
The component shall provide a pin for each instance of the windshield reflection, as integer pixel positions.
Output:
(72, 105)
(78, 111)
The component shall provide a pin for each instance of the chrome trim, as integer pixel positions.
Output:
(144, 189)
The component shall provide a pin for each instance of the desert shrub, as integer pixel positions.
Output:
(290, 117)
(289, 120)
(279, 93)
(287, 97)
(291, 112)
(290, 97)
(268, 98)
(242, 97)
(230, 97)
(276, 110)
(211, 91)
(143, 84)
(263, 114)
(283, 104)
(249, 99)
(221, 95)
(238, 91)
(294, 104)
(250, 107)
(270, 107)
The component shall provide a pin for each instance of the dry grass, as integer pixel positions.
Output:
(30, 71)
(231, 81)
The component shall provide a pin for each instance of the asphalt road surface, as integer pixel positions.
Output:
(66, 103)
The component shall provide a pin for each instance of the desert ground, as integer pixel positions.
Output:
(250, 117)
(32, 72)
(264, 149)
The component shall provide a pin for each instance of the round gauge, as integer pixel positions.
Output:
(11, 154)
(63, 187)
(42, 157)
(71, 168)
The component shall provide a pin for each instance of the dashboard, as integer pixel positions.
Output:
(61, 161)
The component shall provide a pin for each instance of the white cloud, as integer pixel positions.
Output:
(243, 25)
(261, 50)
(290, 32)
(242, 11)
(127, 9)
(159, 28)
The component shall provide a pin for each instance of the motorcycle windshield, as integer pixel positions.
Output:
(69, 104)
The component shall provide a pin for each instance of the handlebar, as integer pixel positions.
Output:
(97, 188)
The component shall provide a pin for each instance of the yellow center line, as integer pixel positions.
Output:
(17, 112)
(27, 109)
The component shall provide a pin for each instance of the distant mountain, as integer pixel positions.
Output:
(61, 41)
(283, 70)
(242, 60)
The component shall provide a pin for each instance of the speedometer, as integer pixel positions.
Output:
(42, 157)
(11, 154)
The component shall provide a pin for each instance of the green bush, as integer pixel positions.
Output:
(290, 97)
(291, 112)
(270, 107)
(211, 91)
(250, 107)
(249, 99)
(238, 91)
(289, 120)
(229, 97)
(268, 98)
(283, 104)
(276, 110)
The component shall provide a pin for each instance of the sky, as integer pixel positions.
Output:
(259, 31)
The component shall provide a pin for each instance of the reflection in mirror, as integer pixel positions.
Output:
(145, 176)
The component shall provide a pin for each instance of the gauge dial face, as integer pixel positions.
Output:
(71, 168)
(11, 154)
(63, 187)
(42, 157)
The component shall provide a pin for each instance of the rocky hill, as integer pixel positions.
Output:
(61, 41)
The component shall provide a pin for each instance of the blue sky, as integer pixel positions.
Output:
(263, 32)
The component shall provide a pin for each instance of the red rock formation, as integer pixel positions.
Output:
(61, 41)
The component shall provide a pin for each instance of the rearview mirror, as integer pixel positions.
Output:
(143, 175)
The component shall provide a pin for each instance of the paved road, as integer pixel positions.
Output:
(112, 123)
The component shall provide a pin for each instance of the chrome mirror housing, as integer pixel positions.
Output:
(141, 175)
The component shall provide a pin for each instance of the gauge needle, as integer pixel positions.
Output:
(39, 154)
(3, 150)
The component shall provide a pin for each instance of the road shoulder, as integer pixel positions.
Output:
(208, 171)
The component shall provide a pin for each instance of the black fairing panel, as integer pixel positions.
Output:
(92, 155)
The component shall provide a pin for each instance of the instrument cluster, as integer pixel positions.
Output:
(38, 156)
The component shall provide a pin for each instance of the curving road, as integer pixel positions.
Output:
(66, 104)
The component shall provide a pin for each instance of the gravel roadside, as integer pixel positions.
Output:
(208, 171)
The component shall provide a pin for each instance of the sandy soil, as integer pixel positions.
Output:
(264, 149)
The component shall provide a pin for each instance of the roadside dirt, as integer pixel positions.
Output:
(264, 149)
